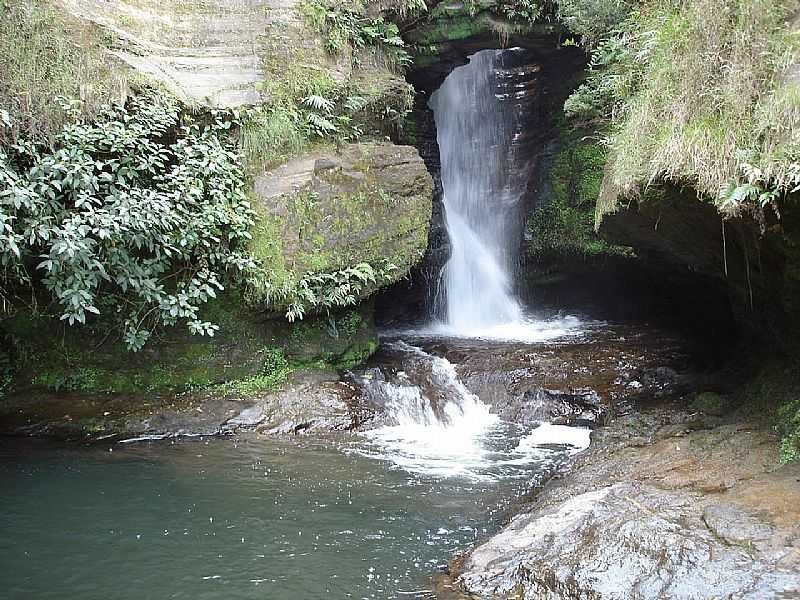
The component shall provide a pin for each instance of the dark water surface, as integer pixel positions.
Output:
(228, 518)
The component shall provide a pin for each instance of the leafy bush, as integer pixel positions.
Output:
(524, 10)
(136, 217)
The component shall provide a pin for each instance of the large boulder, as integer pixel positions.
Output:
(666, 503)
(329, 210)
(634, 541)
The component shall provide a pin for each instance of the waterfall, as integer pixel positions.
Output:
(475, 129)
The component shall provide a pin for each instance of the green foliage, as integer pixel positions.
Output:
(612, 76)
(340, 340)
(46, 54)
(271, 134)
(692, 87)
(788, 427)
(525, 10)
(323, 291)
(345, 25)
(564, 225)
(593, 20)
(274, 373)
(758, 187)
(134, 217)
(79, 380)
(306, 103)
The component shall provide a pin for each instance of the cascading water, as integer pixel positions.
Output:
(437, 427)
(475, 130)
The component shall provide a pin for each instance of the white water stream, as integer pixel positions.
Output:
(441, 429)
(437, 426)
(481, 197)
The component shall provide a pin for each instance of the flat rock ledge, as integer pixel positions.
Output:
(311, 401)
(664, 506)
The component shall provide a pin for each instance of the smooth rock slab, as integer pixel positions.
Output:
(633, 541)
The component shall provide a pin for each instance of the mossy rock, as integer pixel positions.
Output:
(561, 227)
(52, 356)
(710, 403)
(342, 340)
(331, 210)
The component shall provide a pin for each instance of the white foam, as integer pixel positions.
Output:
(464, 440)
(576, 439)
(526, 330)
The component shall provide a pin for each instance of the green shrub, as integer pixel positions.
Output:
(136, 217)
(772, 396)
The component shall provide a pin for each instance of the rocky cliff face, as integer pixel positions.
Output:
(755, 265)
(207, 53)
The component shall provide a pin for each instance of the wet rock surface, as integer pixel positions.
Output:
(313, 400)
(668, 503)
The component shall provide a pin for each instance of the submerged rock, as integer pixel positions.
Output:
(578, 407)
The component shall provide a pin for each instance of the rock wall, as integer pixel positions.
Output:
(680, 235)
(208, 53)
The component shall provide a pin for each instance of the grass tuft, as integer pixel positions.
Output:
(46, 54)
(699, 87)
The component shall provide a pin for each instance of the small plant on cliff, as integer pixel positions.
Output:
(593, 20)
(346, 25)
(136, 217)
(331, 290)
(318, 292)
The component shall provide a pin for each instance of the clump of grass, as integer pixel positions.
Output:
(47, 54)
(272, 134)
(703, 84)
(274, 373)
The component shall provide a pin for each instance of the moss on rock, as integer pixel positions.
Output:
(329, 211)
(250, 354)
(562, 226)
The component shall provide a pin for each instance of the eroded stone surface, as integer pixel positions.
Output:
(632, 540)
(662, 506)
(213, 52)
